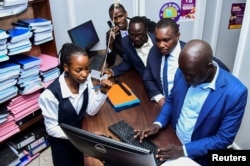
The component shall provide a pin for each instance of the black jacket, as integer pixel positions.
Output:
(117, 46)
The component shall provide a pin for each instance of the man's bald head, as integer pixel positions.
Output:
(195, 61)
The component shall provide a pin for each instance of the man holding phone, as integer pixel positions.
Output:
(118, 30)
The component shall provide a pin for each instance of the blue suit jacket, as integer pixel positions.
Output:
(130, 58)
(152, 74)
(219, 118)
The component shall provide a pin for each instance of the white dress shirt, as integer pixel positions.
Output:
(172, 67)
(144, 50)
(49, 104)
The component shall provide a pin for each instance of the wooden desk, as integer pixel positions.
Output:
(139, 117)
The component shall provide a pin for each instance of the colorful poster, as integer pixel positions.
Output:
(236, 17)
(187, 9)
(170, 10)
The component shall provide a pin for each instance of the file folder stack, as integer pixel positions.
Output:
(3, 45)
(8, 156)
(4, 113)
(23, 105)
(12, 7)
(9, 73)
(19, 40)
(42, 29)
(120, 100)
(8, 128)
(29, 80)
(49, 70)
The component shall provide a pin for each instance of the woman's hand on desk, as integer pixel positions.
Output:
(146, 132)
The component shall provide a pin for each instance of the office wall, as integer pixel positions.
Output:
(67, 14)
(152, 10)
(60, 19)
(224, 41)
(241, 70)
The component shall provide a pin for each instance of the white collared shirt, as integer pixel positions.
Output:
(144, 50)
(172, 67)
(49, 104)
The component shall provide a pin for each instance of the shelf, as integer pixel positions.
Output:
(36, 8)
(31, 122)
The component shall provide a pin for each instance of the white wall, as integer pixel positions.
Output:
(224, 41)
(241, 70)
(152, 9)
(67, 14)
(60, 22)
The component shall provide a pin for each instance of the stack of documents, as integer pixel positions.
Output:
(12, 7)
(12, 2)
(29, 80)
(9, 72)
(120, 99)
(3, 46)
(4, 113)
(19, 40)
(42, 29)
(8, 128)
(23, 105)
(49, 70)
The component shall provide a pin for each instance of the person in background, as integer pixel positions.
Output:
(119, 29)
(136, 47)
(165, 52)
(205, 107)
(67, 100)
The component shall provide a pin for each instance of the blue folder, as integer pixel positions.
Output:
(35, 21)
(8, 66)
(26, 61)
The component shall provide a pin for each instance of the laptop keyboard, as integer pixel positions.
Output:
(96, 62)
(126, 133)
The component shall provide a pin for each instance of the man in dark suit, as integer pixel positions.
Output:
(158, 80)
(136, 47)
(168, 47)
(119, 17)
(205, 107)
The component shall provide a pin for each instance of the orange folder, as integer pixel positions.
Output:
(120, 100)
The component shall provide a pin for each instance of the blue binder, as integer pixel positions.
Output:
(26, 61)
(35, 21)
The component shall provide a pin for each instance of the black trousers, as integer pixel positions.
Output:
(64, 153)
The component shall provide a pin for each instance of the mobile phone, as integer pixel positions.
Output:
(110, 24)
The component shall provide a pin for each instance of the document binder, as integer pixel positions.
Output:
(26, 61)
(35, 21)
(19, 34)
(120, 100)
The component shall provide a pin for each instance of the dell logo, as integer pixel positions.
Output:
(100, 148)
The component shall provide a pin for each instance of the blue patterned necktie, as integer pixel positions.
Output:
(165, 76)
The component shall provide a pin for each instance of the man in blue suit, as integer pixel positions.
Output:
(205, 107)
(167, 47)
(136, 47)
